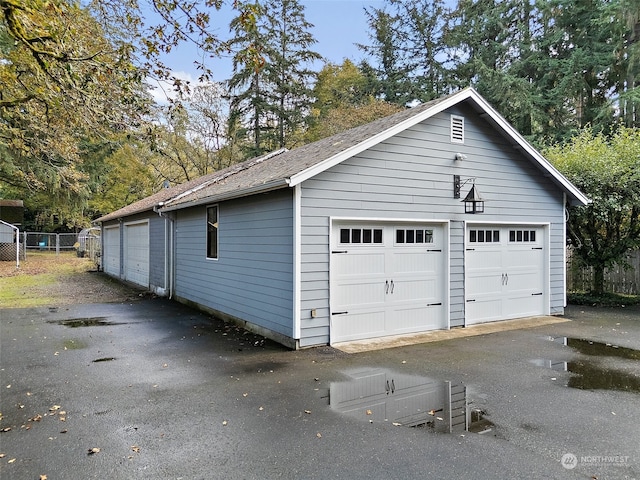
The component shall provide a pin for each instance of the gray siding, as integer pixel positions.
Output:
(410, 176)
(252, 279)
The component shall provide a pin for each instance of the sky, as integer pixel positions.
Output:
(338, 26)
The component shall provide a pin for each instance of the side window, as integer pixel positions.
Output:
(212, 232)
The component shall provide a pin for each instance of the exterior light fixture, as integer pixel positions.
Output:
(460, 157)
(473, 202)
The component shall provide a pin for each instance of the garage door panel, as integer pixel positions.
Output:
(418, 318)
(484, 310)
(414, 261)
(358, 264)
(365, 323)
(357, 293)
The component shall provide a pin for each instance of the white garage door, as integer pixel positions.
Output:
(386, 280)
(111, 250)
(136, 253)
(505, 274)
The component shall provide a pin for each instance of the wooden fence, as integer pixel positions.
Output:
(617, 279)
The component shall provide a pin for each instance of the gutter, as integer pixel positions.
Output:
(263, 188)
(168, 249)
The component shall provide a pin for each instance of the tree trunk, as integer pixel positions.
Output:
(598, 279)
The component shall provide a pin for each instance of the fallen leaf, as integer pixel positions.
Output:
(93, 451)
(64, 431)
(245, 394)
(165, 365)
(2, 455)
(308, 412)
(261, 408)
(396, 424)
(319, 435)
(224, 422)
(369, 412)
(12, 460)
(54, 408)
(135, 448)
(6, 429)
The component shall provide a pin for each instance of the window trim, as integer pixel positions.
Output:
(216, 229)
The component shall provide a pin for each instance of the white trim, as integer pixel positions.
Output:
(466, 94)
(297, 262)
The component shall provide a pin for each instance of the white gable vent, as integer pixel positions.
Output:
(457, 129)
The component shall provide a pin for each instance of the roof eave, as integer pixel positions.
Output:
(245, 192)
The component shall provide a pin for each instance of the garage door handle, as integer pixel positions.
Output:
(391, 286)
(539, 293)
(386, 286)
(433, 304)
(433, 250)
(338, 251)
(339, 313)
(536, 248)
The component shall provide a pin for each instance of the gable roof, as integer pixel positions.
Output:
(287, 168)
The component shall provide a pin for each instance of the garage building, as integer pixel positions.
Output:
(439, 216)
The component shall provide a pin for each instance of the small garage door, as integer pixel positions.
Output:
(505, 274)
(136, 253)
(111, 250)
(386, 280)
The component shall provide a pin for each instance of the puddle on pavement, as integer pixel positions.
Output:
(85, 322)
(379, 395)
(104, 359)
(589, 376)
(588, 347)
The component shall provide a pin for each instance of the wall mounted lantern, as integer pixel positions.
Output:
(473, 202)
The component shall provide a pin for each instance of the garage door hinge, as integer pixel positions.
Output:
(433, 304)
(338, 251)
(539, 293)
(339, 313)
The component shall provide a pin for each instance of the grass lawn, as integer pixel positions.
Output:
(38, 280)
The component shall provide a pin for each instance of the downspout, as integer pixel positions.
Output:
(168, 248)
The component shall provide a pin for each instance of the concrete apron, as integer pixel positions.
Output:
(367, 345)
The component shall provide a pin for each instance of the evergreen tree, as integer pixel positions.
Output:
(271, 96)
(288, 67)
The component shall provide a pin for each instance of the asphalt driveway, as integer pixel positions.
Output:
(152, 389)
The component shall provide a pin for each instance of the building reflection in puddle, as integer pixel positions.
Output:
(380, 395)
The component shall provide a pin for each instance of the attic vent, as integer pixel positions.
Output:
(457, 129)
